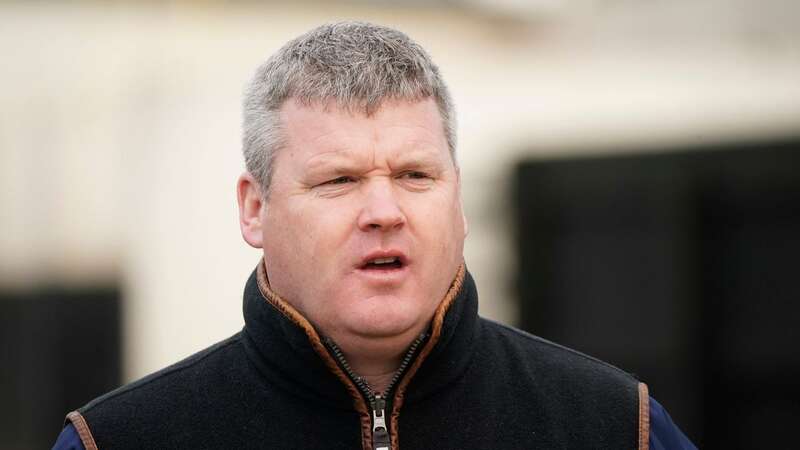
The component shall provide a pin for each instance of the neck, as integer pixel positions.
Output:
(379, 382)
(376, 360)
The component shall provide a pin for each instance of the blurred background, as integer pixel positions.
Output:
(630, 178)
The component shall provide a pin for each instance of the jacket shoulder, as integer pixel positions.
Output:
(604, 406)
(164, 403)
(532, 350)
(170, 378)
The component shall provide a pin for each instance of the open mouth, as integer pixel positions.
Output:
(387, 263)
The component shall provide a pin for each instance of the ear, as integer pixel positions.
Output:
(466, 224)
(251, 202)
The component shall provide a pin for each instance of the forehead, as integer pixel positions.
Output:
(396, 128)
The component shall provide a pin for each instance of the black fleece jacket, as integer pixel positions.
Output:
(472, 384)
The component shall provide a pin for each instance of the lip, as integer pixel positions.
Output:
(383, 253)
(381, 277)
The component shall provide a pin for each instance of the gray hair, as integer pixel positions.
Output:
(356, 64)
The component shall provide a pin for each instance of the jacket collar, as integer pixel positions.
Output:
(288, 351)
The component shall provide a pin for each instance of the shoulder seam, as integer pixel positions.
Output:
(178, 366)
(541, 340)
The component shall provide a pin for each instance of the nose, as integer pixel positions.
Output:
(380, 210)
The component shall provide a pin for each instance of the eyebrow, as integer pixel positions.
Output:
(418, 158)
(409, 155)
(333, 161)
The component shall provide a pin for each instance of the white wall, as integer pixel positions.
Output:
(119, 138)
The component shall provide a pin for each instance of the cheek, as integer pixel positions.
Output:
(439, 212)
(438, 226)
(301, 246)
(287, 237)
(322, 230)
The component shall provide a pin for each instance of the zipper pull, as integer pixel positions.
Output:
(380, 435)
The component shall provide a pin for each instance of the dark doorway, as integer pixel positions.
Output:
(679, 266)
(60, 347)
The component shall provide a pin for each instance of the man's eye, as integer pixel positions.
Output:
(415, 175)
(341, 180)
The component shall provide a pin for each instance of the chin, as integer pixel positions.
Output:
(388, 324)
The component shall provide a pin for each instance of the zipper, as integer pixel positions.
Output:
(381, 439)
(380, 434)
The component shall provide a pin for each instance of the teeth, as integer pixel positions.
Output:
(384, 260)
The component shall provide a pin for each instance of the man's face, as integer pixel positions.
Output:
(363, 229)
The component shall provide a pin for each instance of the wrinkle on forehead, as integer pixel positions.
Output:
(412, 151)
(343, 158)
(396, 112)
(323, 139)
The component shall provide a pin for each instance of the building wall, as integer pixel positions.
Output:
(120, 130)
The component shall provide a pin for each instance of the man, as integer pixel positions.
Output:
(361, 326)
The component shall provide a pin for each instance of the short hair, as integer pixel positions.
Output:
(358, 65)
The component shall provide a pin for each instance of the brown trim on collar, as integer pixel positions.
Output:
(316, 343)
(436, 332)
(83, 430)
(644, 417)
